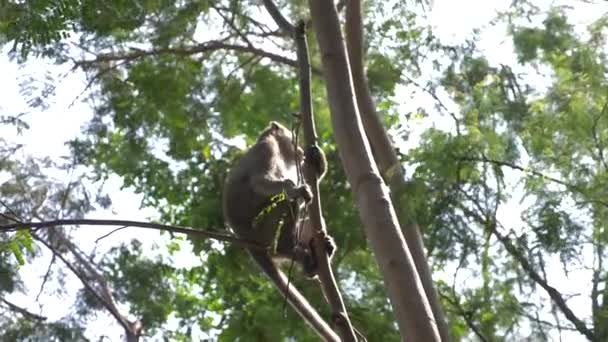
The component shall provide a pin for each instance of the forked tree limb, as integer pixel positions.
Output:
(325, 272)
(406, 292)
(388, 163)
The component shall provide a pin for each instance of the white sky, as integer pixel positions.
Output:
(453, 21)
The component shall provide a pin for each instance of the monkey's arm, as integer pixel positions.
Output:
(265, 185)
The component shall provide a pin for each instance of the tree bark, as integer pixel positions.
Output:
(387, 161)
(409, 301)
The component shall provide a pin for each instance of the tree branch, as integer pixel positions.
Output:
(466, 315)
(326, 276)
(411, 308)
(174, 229)
(23, 312)
(132, 330)
(569, 186)
(209, 46)
(555, 295)
(230, 22)
(387, 161)
(283, 23)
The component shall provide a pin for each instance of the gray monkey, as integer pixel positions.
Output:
(254, 212)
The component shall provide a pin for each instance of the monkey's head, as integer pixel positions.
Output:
(283, 137)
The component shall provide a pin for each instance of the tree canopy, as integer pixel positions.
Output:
(504, 156)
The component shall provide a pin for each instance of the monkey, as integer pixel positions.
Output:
(269, 168)
(251, 209)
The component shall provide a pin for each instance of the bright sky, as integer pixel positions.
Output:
(50, 128)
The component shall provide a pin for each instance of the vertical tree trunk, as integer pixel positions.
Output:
(411, 307)
(388, 163)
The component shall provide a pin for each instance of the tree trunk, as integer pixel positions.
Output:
(388, 163)
(411, 307)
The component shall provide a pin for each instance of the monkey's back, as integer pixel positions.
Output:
(240, 203)
(272, 156)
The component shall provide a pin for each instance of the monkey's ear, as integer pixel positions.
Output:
(275, 125)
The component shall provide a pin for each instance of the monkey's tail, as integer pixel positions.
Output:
(294, 297)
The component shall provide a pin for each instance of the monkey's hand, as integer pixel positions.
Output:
(294, 192)
(315, 156)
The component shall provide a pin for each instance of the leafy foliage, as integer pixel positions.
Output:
(509, 194)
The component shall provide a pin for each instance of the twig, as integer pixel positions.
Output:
(598, 141)
(47, 274)
(110, 233)
(466, 315)
(230, 22)
(437, 99)
(8, 208)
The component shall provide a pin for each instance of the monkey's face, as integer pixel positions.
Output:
(284, 138)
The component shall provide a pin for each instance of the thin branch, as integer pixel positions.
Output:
(466, 315)
(540, 321)
(264, 28)
(23, 312)
(105, 300)
(209, 46)
(554, 294)
(174, 229)
(10, 211)
(95, 77)
(230, 22)
(437, 99)
(110, 233)
(570, 186)
(596, 309)
(45, 279)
